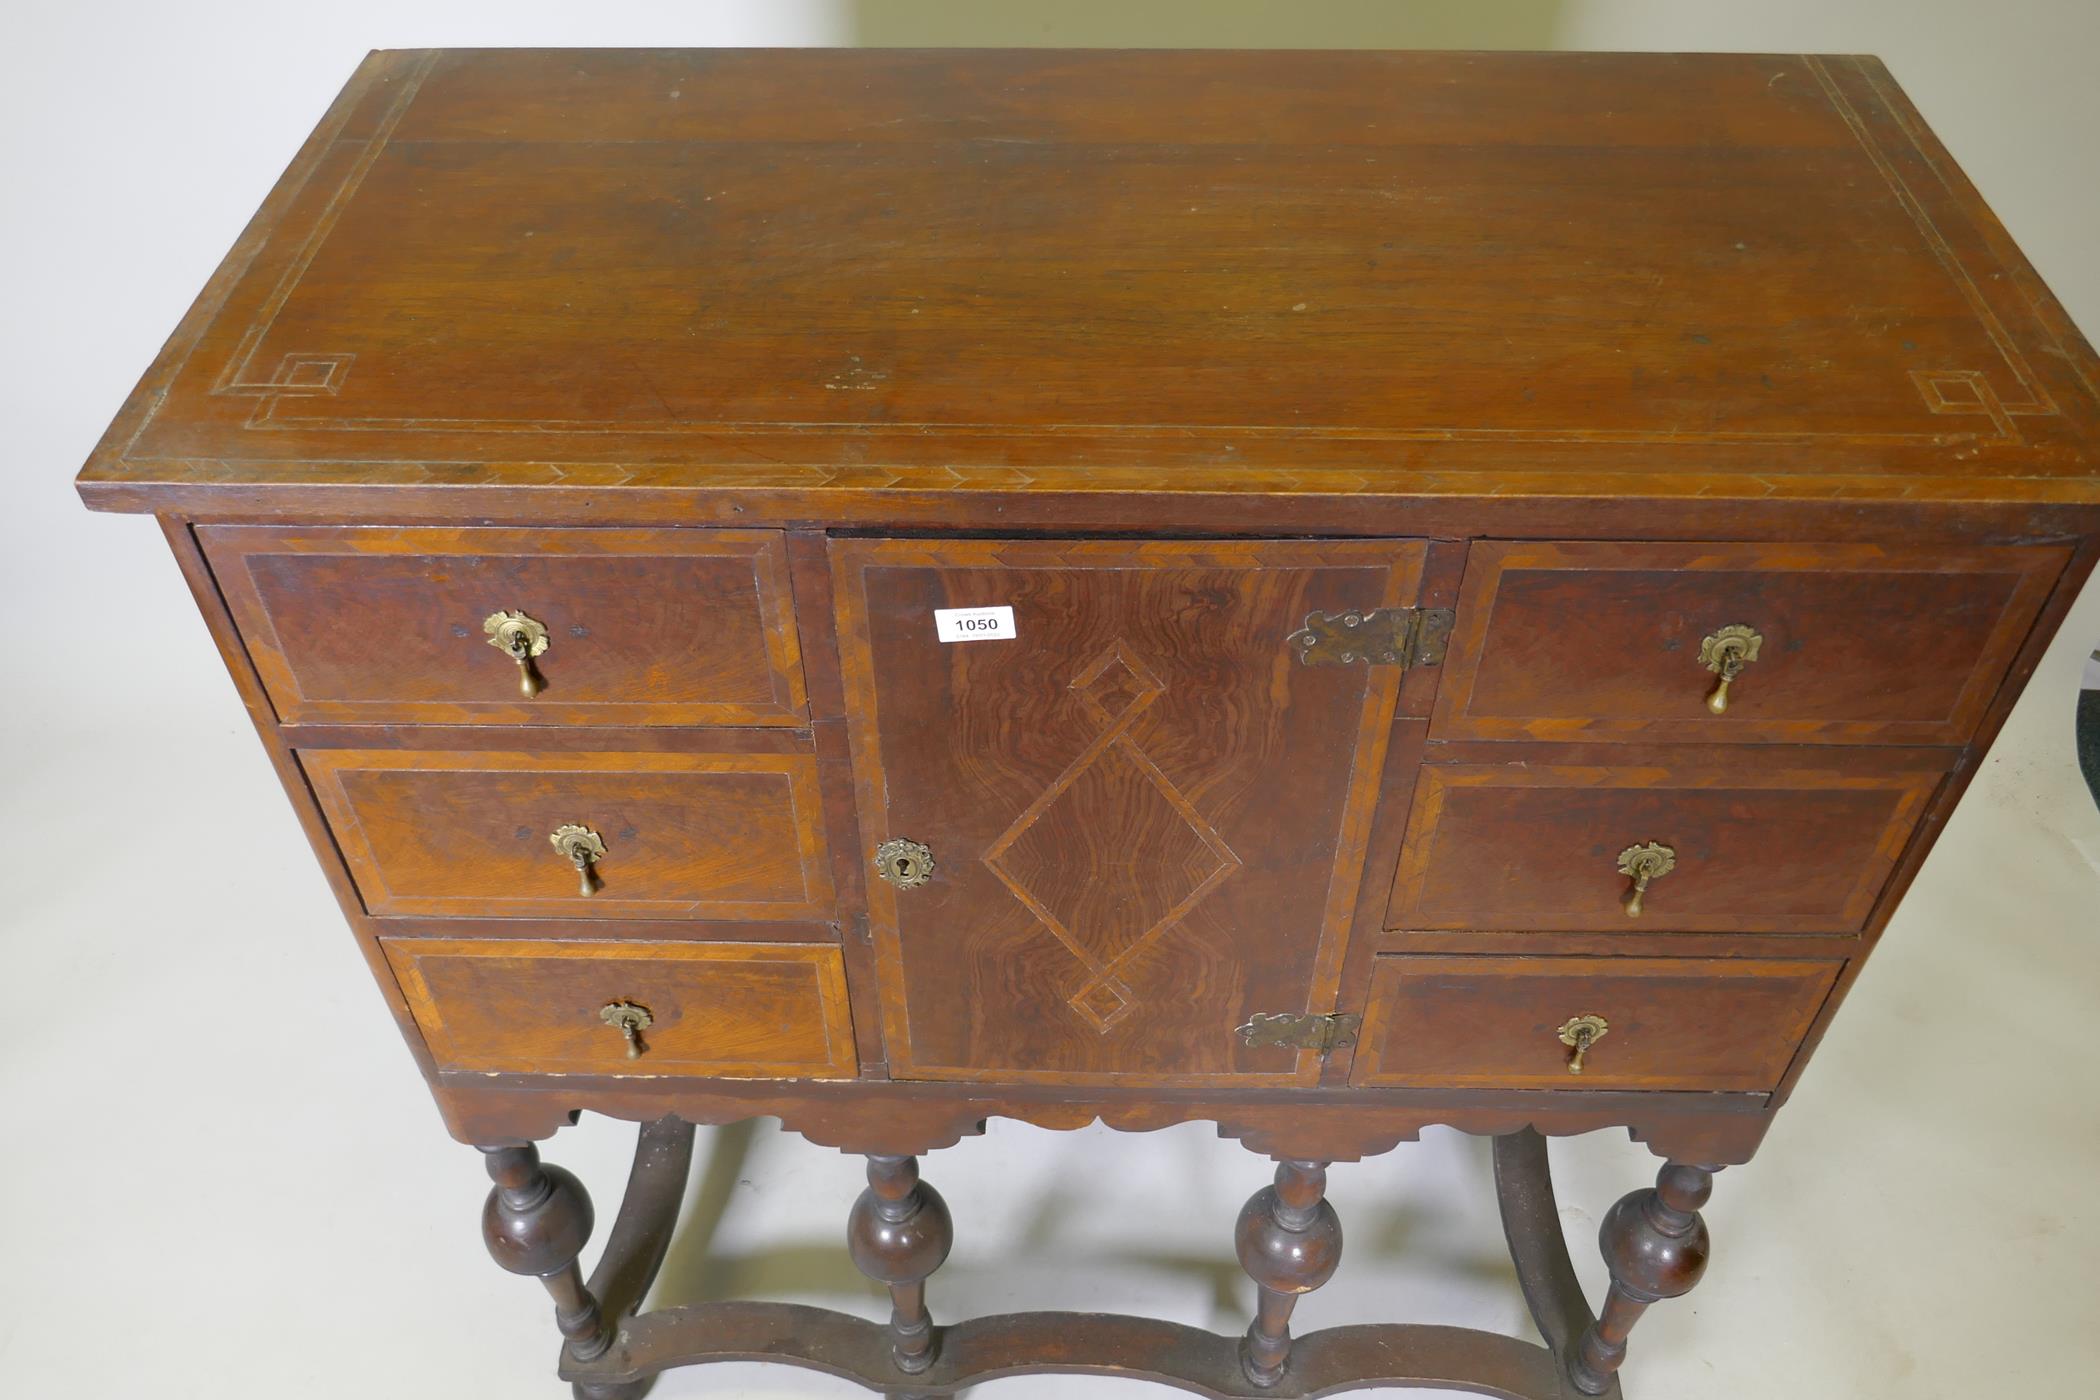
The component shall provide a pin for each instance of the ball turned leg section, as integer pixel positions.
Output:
(611, 1390)
(536, 1222)
(899, 1233)
(1289, 1241)
(1655, 1245)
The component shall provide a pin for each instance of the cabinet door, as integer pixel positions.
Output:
(1146, 816)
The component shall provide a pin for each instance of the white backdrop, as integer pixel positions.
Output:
(219, 1174)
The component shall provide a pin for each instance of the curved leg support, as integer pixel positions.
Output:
(899, 1233)
(1656, 1246)
(1289, 1241)
(1537, 1245)
(641, 1233)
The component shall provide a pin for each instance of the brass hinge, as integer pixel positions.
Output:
(1380, 637)
(1325, 1034)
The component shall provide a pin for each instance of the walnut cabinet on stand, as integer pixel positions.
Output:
(1325, 594)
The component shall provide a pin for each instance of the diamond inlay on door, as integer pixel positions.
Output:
(1149, 855)
(1144, 813)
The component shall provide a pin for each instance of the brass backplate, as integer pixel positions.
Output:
(622, 1014)
(578, 844)
(1727, 651)
(1299, 1031)
(1649, 861)
(515, 634)
(1378, 637)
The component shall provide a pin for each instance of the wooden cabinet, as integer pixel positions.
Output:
(1322, 593)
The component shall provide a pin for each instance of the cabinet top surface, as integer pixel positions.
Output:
(1396, 273)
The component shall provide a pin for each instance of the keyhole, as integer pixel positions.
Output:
(905, 864)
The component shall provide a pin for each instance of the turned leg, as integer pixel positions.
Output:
(536, 1222)
(1655, 1245)
(1289, 1241)
(899, 1233)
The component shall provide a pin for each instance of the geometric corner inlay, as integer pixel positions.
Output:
(299, 374)
(1964, 391)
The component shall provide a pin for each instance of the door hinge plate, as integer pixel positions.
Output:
(1296, 1031)
(1381, 637)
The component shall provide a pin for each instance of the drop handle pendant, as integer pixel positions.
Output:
(1726, 653)
(1643, 865)
(1579, 1033)
(521, 638)
(630, 1019)
(582, 848)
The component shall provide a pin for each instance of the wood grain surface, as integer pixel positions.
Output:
(1859, 643)
(1147, 817)
(687, 835)
(376, 625)
(1760, 846)
(1674, 1023)
(731, 1010)
(1415, 274)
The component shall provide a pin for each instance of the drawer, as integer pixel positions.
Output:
(1855, 643)
(728, 1010)
(1717, 1025)
(684, 835)
(642, 627)
(1751, 847)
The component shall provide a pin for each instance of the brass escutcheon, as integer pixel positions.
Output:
(1579, 1033)
(582, 848)
(905, 864)
(630, 1019)
(1726, 653)
(1641, 864)
(520, 638)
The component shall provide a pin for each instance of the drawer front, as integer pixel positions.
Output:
(1517, 847)
(727, 1010)
(642, 627)
(1719, 1025)
(1856, 643)
(684, 835)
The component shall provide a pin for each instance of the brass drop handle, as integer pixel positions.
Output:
(582, 848)
(1643, 865)
(1579, 1033)
(521, 638)
(905, 864)
(630, 1019)
(1726, 653)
